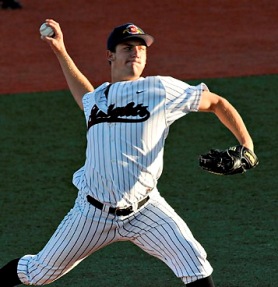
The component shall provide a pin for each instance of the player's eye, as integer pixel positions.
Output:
(128, 48)
(142, 48)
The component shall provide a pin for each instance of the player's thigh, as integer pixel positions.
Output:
(161, 232)
(77, 236)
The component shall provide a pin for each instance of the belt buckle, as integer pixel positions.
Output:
(123, 211)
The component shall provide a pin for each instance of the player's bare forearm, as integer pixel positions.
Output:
(77, 82)
(233, 121)
(228, 115)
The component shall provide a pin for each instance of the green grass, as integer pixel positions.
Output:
(42, 143)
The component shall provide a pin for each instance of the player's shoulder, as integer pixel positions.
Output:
(169, 82)
(89, 98)
(163, 80)
(166, 80)
(158, 78)
(95, 91)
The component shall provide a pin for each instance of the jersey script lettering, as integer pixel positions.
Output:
(131, 113)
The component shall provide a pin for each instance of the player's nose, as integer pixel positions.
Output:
(136, 51)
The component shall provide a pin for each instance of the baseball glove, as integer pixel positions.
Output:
(231, 161)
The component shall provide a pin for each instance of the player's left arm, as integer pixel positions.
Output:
(228, 115)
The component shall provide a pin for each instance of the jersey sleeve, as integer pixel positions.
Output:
(89, 99)
(181, 98)
(86, 100)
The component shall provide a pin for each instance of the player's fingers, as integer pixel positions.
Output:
(49, 40)
(55, 26)
(56, 42)
(51, 22)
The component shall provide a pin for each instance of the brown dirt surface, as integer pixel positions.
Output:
(193, 39)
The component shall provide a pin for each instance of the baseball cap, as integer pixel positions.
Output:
(127, 31)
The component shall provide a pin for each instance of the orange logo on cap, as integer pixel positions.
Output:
(133, 30)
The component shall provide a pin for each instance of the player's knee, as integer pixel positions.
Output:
(203, 282)
(39, 281)
(33, 272)
(34, 283)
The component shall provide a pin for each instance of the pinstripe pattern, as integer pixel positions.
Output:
(124, 159)
(78, 235)
(162, 233)
(155, 228)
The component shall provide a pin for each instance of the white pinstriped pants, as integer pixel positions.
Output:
(155, 228)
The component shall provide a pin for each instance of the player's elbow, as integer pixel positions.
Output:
(219, 106)
(211, 102)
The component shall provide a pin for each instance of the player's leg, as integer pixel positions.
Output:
(158, 230)
(79, 235)
(205, 282)
(8, 274)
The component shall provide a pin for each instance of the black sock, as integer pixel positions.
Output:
(8, 274)
(206, 282)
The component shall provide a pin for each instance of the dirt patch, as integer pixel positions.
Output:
(193, 39)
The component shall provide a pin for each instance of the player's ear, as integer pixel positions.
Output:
(110, 56)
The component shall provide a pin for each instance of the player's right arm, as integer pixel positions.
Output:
(77, 82)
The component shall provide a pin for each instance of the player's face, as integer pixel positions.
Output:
(128, 61)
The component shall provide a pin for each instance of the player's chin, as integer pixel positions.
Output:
(136, 67)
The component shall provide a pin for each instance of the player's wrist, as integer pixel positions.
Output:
(248, 145)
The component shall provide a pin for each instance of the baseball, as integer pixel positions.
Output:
(46, 31)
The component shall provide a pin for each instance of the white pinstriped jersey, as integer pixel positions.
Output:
(124, 159)
(126, 135)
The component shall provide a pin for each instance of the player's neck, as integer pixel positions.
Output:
(120, 75)
(115, 79)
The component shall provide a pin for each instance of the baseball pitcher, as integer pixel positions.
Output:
(128, 120)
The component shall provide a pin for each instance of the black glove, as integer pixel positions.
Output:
(233, 160)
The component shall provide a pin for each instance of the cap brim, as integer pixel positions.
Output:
(148, 39)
